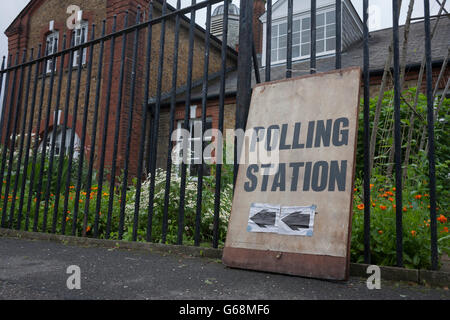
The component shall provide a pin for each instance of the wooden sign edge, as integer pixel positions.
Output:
(298, 264)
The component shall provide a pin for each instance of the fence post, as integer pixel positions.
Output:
(244, 80)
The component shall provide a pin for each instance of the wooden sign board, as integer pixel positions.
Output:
(297, 219)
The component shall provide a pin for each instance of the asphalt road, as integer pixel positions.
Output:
(37, 270)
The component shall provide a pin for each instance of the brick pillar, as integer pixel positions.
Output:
(119, 7)
(259, 9)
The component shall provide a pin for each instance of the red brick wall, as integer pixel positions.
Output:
(258, 10)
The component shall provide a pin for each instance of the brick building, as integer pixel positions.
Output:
(41, 20)
(46, 21)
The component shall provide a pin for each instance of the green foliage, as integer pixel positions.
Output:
(416, 227)
(190, 209)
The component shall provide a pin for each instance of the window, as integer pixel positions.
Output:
(301, 36)
(58, 141)
(195, 130)
(80, 35)
(52, 47)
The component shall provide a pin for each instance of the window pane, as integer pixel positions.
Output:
(296, 38)
(296, 26)
(306, 23)
(296, 51)
(331, 30)
(306, 36)
(305, 49)
(283, 28)
(282, 42)
(282, 54)
(320, 19)
(331, 17)
(320, 46)
(274, 43)
(331, 44)
(320, 33)
(274, 55)
(274, 31)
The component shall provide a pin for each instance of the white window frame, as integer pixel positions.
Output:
(52, 48)
(298, 42)
(58, 142)
(80, 35)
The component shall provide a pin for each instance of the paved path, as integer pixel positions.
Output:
(37, 270)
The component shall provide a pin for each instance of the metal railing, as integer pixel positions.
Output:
(28, 107)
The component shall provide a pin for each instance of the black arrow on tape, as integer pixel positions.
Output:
(264, 218)
(297, 220)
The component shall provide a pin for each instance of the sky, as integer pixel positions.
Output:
(380, 14)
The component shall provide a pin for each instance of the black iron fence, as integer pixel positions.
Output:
(53, 178)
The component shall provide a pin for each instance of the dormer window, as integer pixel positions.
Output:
(301, 36)
(351, 29)
(80, 35)
(52, 47)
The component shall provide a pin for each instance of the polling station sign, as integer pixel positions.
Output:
(292, 204)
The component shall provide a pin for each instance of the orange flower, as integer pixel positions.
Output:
(404, 209)
(394, 189)
(445, 230)
(67, 219)
(394, 206)
(391, 199)
(442, 219)
(371, 186)
(355, 189)
(361, 206)
(88, 229)
(426, 195)
(380, 231)
(383, 207)
(418, 196)
(72, 187)
(413, 233)
(374, 204)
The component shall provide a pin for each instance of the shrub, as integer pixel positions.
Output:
(416, 227)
